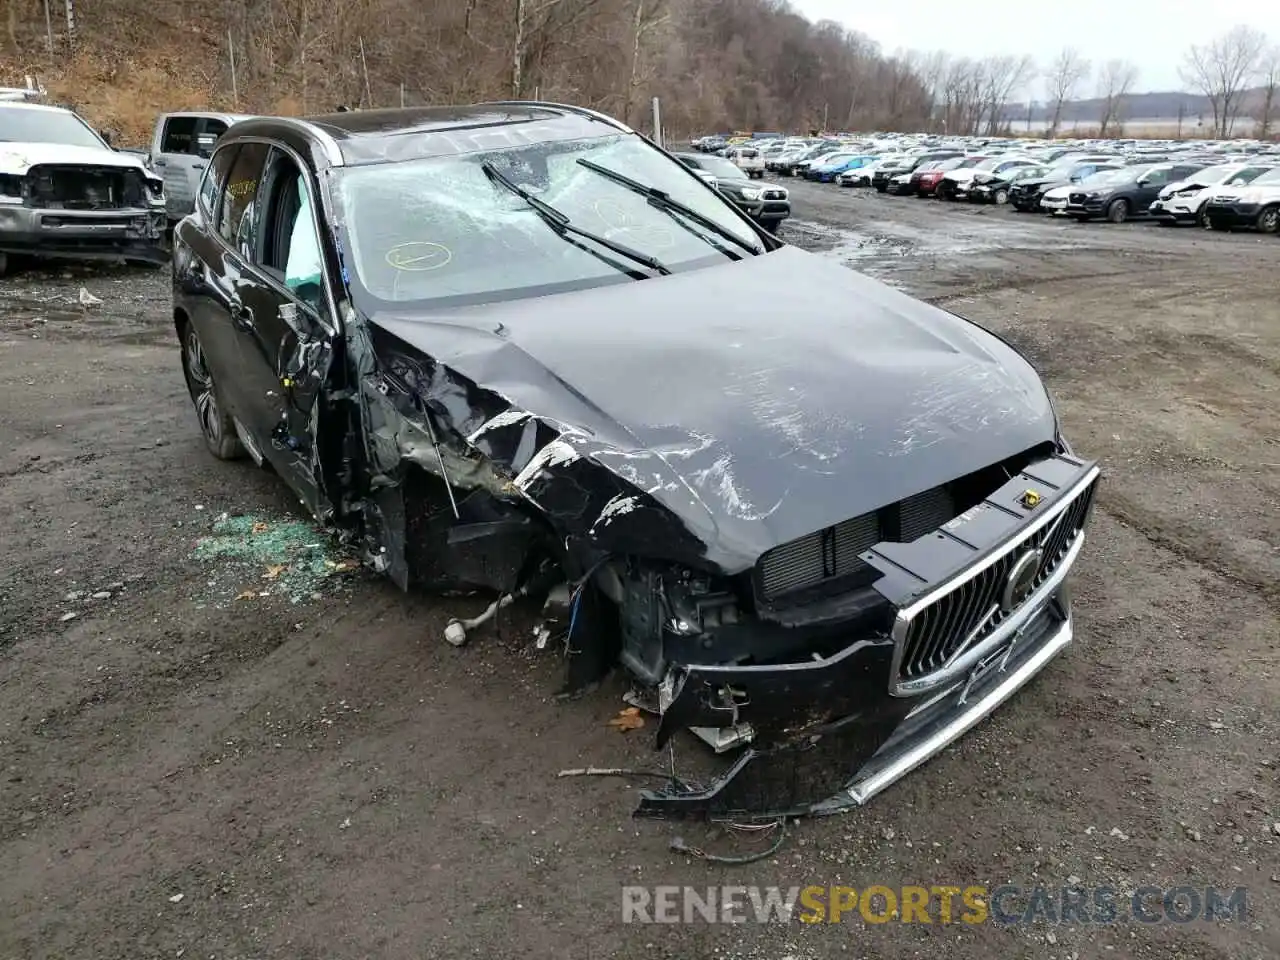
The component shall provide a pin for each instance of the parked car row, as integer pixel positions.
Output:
(1214, 185)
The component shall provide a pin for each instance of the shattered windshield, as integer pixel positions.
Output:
(439, 230)
(25, 125)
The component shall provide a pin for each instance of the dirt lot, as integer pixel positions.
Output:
(316, 773)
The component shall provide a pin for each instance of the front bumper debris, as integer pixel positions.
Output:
(831, 733)
(137, 233)
(844, 763)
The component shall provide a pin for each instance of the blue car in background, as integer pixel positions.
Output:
(832, 167)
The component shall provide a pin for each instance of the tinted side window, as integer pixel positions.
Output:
(214, 177)
(238, 218)
(179, 135)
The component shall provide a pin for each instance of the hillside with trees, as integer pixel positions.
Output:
(716, 64)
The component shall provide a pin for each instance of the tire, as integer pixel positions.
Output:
(943, 192)
(1000, 197)
(1202, 218)
(216, 425)
(1118, 211)
(1219, 226)
(882, 188)
(1268, 220)
(4, 263)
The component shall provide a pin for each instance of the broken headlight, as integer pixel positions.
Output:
(155, 189)
(671, 614)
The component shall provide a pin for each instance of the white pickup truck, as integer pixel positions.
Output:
(181, 145)
(64, 192)
(748, 159)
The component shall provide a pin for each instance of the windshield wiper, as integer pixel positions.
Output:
(560, 223)
(663, 201)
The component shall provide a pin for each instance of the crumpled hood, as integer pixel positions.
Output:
(757, 401)
(1169, 190)
(1044, 183)
(17, 158)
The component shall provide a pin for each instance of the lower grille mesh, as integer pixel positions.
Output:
(832, 553)
(819, 556)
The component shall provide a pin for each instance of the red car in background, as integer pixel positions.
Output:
(925, 180)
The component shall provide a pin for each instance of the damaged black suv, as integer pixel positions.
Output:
(820, 524)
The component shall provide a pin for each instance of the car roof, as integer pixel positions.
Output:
(357, 137)
(24, 105)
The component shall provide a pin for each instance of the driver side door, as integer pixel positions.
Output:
(284, 327)
(1148, 188)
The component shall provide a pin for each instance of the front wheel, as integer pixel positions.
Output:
(1118, 212)
(216, 425)
(1268, 220)
(1000, 197)
(1202, 219)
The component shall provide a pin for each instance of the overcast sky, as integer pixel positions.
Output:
(1151, 33)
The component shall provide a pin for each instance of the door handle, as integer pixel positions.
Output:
(197, 166)
(241, 316)
(160, 162)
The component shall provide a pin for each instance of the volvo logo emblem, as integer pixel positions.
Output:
(1021, 581)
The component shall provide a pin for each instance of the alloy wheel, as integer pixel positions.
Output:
(203, 395)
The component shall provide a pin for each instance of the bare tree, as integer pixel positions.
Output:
(1221, 69)
(1270, 76)
(1062, 82)
(1001, 76)
(649, 14)
(1115, 83)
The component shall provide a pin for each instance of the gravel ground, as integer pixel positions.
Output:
(314, 773)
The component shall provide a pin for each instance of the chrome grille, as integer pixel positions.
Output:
(962, 618)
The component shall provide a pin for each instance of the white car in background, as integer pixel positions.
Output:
(1255, 205)
(861, 177)
(747, 158)
(1184, 201)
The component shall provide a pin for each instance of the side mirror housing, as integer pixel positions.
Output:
(106, 138)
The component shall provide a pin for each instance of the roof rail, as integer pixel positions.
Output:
(571, 108)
